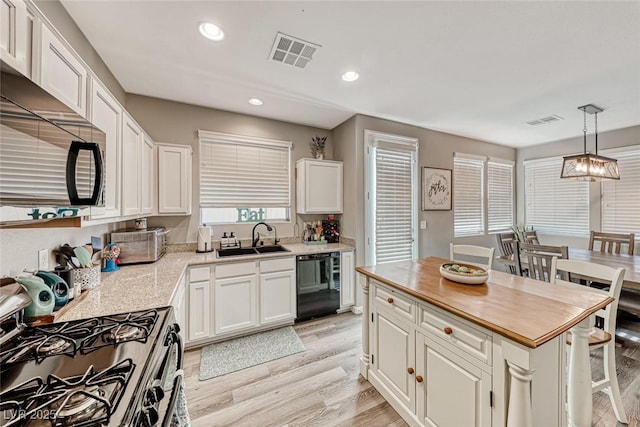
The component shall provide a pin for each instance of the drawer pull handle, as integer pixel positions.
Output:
(390, 300)
(419, 379)
(448, 330)
(410, 370)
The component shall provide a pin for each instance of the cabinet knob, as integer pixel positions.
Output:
(410, 370)
(448, 330)
(419, 379)
(390, 300)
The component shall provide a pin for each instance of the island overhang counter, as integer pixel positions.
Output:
(450, 354)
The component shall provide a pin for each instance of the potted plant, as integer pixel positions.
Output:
(317, 146)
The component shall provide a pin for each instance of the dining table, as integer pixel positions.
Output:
(631, 263)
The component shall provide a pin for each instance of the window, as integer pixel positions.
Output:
(554, 205)
(471, 215)
(243, 179)
(392, 191)
(620, 199)
(468, 195)
(499, 195)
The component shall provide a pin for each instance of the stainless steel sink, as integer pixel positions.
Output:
(236, 252)
(271, 248)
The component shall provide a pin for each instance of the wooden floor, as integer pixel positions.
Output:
(321, 386)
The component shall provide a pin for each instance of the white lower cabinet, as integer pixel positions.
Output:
(347, 279)
(179, 306)
(431, 380)
(394, 357)
(199, 303)
(277, 291)
(234, 298)
(448, 378)
(235, 306)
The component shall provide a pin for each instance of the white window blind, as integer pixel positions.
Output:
(621, 199)
(239, 171)
(468, 198)
(395, 175)
(554, 205)
(499, 195)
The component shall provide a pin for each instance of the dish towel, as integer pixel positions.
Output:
(181, 415)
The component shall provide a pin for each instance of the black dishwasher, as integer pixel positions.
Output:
(317, 285)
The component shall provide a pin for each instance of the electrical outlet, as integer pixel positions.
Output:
(43, 259)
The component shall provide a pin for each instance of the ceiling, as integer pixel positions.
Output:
(476, 69)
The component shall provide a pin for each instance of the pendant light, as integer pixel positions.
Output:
(587, 166)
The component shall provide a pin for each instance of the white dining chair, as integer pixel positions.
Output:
(472, 251)
(598, 337)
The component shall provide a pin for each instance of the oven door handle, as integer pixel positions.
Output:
(177, 385)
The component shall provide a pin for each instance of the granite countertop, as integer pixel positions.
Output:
(145, 286)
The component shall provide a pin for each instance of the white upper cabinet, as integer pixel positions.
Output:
(60, 72)
(174, 179)
(106, 114)
(16, 26)
(131, 173)
(147, 174)
(318, 186)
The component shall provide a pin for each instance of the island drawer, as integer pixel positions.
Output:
(456, 332)
(394, 301)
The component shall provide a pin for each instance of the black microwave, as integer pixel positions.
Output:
(51, 158)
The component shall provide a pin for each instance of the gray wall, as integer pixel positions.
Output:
(625, 137)
(435, 149)
(178, 123)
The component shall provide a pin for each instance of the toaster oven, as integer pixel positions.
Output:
(139, 246)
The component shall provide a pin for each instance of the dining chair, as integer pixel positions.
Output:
(612, 242)
(598, 337)
(506, 246)
(474, 252)
(534, 261)
(530, 237)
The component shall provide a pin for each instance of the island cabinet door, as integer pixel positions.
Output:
(453, 392)
(394, 357)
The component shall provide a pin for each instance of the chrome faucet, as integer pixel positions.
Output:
(254, 239)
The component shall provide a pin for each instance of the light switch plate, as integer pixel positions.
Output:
(423, 225)
(43, 259)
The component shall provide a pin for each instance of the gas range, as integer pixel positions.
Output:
(118, 370)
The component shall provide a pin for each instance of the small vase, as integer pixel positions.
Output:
(111, 266)
(320, 156)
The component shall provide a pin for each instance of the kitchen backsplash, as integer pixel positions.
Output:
(19, 248)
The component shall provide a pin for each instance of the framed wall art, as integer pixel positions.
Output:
(437, 189)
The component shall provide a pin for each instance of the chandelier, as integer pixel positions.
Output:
(587, 166)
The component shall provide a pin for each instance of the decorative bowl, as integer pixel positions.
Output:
(470, 274)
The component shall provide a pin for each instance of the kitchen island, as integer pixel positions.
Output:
(450, 354)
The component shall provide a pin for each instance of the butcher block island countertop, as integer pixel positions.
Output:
(449, 354)
(529, 312)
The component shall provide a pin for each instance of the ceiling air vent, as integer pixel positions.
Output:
(292, 51)
(545, 120)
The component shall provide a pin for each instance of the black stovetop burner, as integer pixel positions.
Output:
(95, 371)
(85, 336)
(83, 400)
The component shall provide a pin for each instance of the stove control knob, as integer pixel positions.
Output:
(150, 417)
(154, 395)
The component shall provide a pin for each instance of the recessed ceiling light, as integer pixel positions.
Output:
(255, 101)
(350, 76)
(211, 31)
